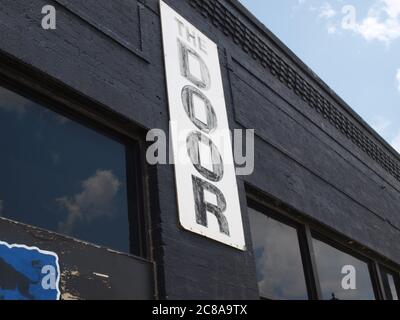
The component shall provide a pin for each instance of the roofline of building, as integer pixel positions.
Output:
(309, 72)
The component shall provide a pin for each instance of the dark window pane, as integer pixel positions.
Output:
(60, 175)
(330, 262)
(391, 284)
(280, 272)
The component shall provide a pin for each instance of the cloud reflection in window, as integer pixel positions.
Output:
(47, 156)
(278, 259)
(94, 201)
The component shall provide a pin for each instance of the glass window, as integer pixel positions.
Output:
(355, 281)
(391, 284)
(279, 264)
(60, 175)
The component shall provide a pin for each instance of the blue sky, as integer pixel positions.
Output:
(353, 45)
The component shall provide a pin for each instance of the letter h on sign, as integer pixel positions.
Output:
(210, 207)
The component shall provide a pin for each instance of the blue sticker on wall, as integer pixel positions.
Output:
(28, 273)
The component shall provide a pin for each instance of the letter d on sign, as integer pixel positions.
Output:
(206, 186)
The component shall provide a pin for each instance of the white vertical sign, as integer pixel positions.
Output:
(208, 200)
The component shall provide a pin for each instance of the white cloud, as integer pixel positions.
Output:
(396, 142)
(326, 11)
(392, 8)
(382, 22)
(94, 201)
(398, 79)
(374, 29)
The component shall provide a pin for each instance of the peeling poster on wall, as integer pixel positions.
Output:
(28, 273)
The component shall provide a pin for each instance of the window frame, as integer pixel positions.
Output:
(384, 271)
(261, 202)
(303, 245)
(317, 235)
(68, 103)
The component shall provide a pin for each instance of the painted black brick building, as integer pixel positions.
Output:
(325, 184)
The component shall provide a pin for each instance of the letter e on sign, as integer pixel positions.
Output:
(207, 193)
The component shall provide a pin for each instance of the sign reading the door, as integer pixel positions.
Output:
(206, 185)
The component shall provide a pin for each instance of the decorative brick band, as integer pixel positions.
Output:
(232, 27)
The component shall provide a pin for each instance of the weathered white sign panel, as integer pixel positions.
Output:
(206, 185)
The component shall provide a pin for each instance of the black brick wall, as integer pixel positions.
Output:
(111, 52)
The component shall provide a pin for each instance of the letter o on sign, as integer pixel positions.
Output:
(188, 94)
(193, 148)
